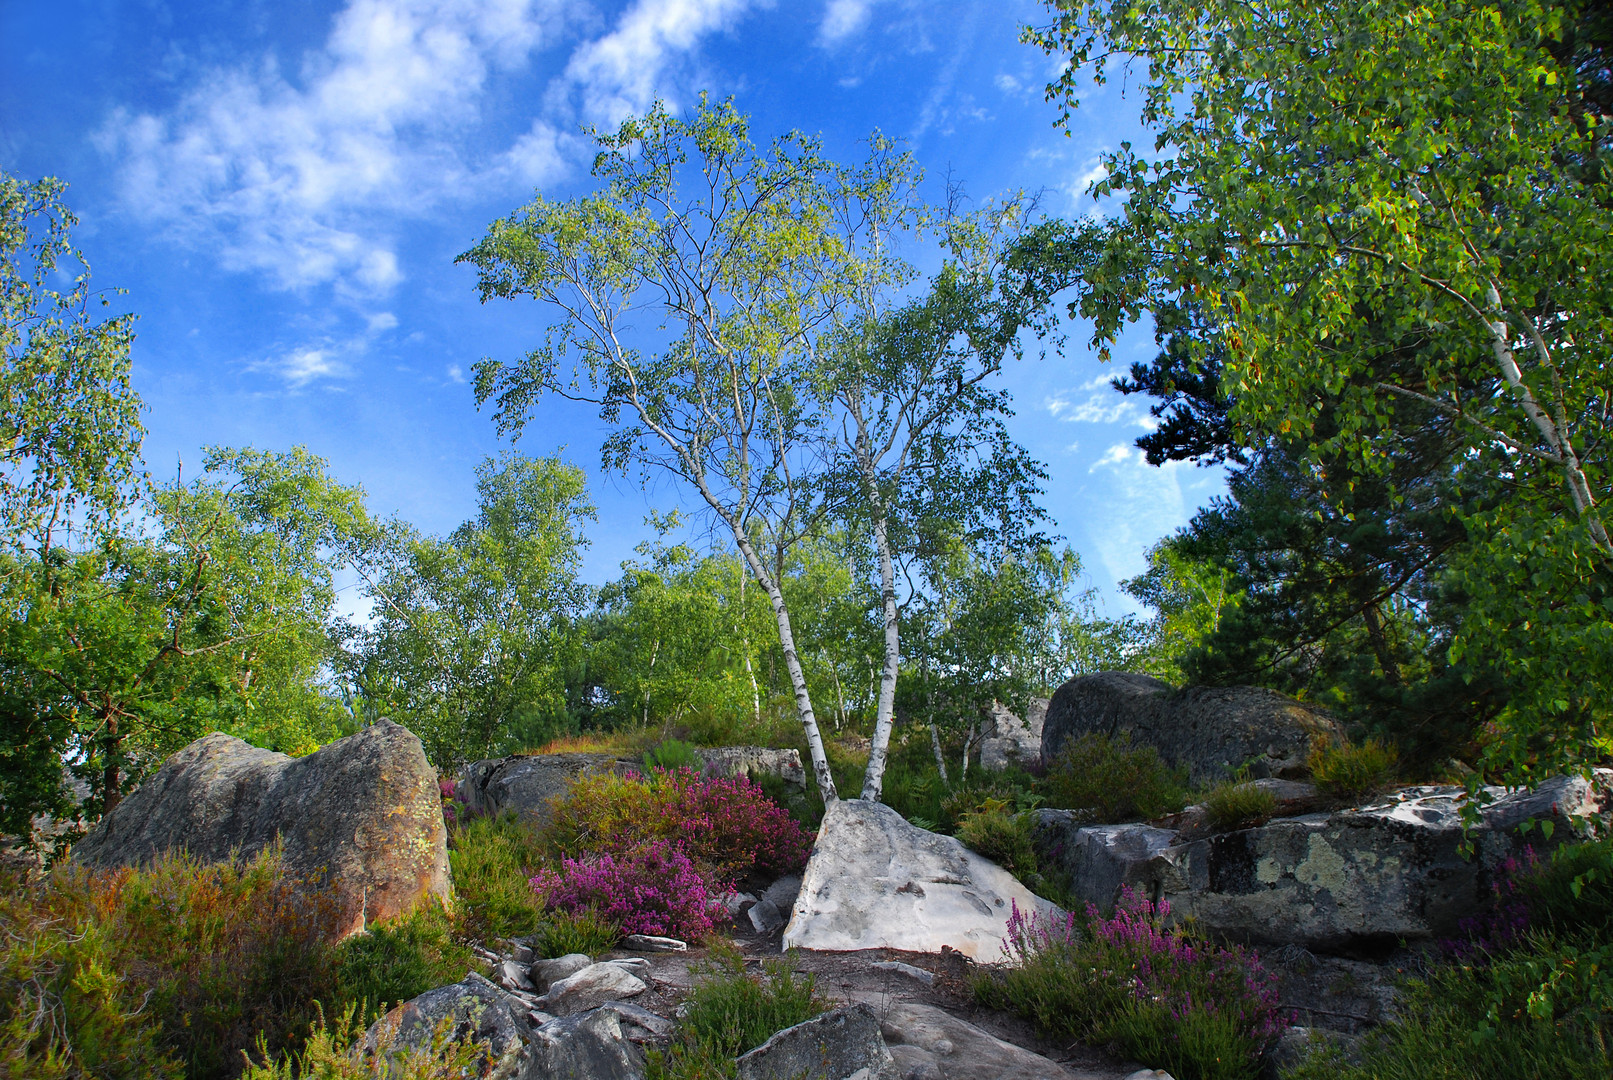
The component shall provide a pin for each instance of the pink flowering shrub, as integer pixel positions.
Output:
(652, 888)
(1198, 1010)
(726, 826)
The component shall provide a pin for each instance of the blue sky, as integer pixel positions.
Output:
(282, 186)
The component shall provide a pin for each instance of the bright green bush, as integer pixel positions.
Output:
(328, 1054)
(562, 933)
(1238, 805)
(672, 754)
(1113, 780)
(493, 860)
(730, 1012)
(1001, 836)
(1349, 771)
(402, 959)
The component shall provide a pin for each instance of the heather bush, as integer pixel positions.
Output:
(1199, 1011)
(652, 888)
(174, 963)
(1349, 771)
(329, 1054)
(730, 1013)
(492, 861)
(1113, 780)
(727, 826)
(401, 959)
(1238, 805)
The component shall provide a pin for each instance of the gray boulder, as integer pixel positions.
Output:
(544, 973)
(874, 881)
(928, 1043)
(362, 814)
(753, 761)
(526, 783)
(1212, 731)
(1359, 880)
(591, 1046)
(844, 1044)
(591, 987)
(1010, 740)
(473, 1010)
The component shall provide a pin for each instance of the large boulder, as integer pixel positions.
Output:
(1010, 740)
(843, 1044)
(1212, 731)
(1356, 881)
(470, 1011)
(363, 814)
(590, 1046)
(876, 882)
(928, 1043)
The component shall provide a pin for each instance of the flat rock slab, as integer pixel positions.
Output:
(362, 813)
(843, 1044)
(875, 881)
(929, 1043)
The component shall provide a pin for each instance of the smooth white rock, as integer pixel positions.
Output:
(874, 881)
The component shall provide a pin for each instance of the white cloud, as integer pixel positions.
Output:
(1100, 405)
(1007, 84)
(296, 178)
(456, 373)
(1118, 455)
(842, 18)
(1094, 172)
(382, 320)
(303, 366)
(622, 72)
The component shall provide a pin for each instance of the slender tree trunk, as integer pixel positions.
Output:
(940, 759)
(885, 711)
(750, 670)
(111, 779)
(968, 745)
(792, 664)
(840, 697)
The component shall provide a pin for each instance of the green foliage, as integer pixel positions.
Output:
(562, 933)
(176, 963)
(393, 962)
(1426, 279)
(329, 1053)
(1238, 805)
(672, 754)
(1348, 770)
(1544, 1008)
(1113, 780)
(492, 861)
(730, 1012)
(474, 632)
(69, 420)
(1003, 837)
(1573, 891)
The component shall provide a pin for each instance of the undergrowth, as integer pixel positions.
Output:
(1113, 780)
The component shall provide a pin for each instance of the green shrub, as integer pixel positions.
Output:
(1350, 771)
(493, 860)
(1543, 1009)
(1238, 805)
(1573, 890)
(1113, 780)
(396, 961)
(213, 958)
(672, 754)
(729, 1013)
(328, 1054)
(562, 933)
(1002, 837)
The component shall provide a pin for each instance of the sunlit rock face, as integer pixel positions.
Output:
(1356, 881)
(874, 881)
(362, 814)
(1212, 731)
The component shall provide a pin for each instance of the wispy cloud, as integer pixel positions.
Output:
(302, 366)
(1096, 402)
(624, 71)
(300, 177)
(843, 18)
(456, 373)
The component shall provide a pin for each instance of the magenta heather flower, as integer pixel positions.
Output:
(650, 889)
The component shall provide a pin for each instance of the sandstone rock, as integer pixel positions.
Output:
(896, 967)
(591, 1046)
(736, 903)
(512, 975)
(843, 1044)
(1332, 992)
(362, 813)
(652, 943)
(765, 916)
(473, 1010)
(526, 783)
(928, 1043)
(753, 760)
(544, 973)
(1211, 730)
(590, 988)
(1010, 740)
(640, 1025)
(1356, 881)
(875, 881)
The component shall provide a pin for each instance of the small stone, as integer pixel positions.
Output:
(765, 916)
(512, 975)
(1150, 1074)
(782, 893)
(539, 1017)
(523, 954)
(591, 987)
(636, 964)
(545, 973)
(651, 943)
(736, 903)
(639, 1024)
(918, 973)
